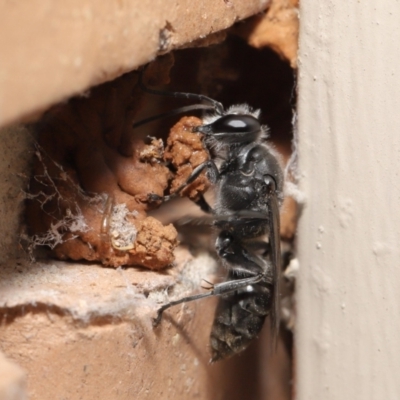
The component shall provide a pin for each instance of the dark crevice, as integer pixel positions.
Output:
(9, 314)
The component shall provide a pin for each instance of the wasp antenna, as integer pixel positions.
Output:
(171, 113)
(216, 105)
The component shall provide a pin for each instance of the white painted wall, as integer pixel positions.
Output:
(348, 328)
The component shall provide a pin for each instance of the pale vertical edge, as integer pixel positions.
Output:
(12, 380)
(348, 297)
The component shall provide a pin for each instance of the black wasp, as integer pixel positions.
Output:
(248, 182)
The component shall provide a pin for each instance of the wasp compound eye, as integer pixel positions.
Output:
(233, 128)
(236, 124)
(232, 123)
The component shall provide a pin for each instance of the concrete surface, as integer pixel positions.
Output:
(348, 302)
(81, 331)
(57, 316)
(50, 51)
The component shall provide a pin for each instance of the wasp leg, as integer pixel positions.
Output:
(201, 201)
(203, 204)
(213, 176)
(210, 287)
(240, 257)
(216, 290)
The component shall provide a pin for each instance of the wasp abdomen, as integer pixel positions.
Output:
(238, 320)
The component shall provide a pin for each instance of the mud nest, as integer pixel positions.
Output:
(88, 196)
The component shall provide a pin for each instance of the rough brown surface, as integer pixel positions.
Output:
(85, 332)
(278, 29)
(92, 177)
(52, 51)
(15, 163)
(82, 187)
(289, 217)
(185, 151)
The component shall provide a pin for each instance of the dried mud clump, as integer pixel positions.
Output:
(278, 29)
(185, 152)
(89, 193)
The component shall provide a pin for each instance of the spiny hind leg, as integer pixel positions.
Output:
(219, 289)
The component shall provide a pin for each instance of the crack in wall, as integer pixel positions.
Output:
(10, 314)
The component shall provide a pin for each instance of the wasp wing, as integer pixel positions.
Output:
(275, 254)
